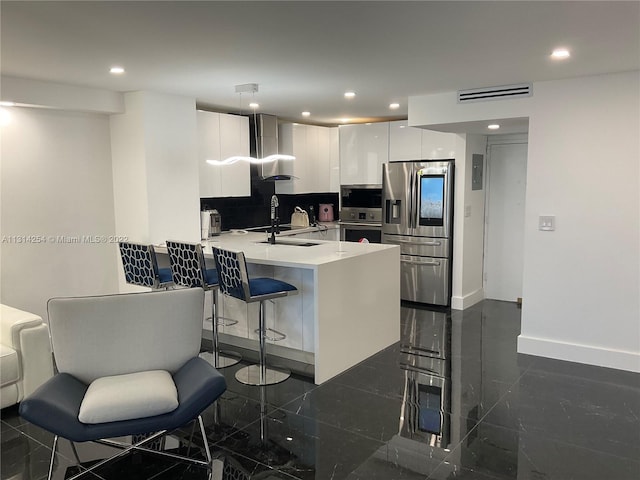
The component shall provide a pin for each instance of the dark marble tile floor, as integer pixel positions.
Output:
(453, 399)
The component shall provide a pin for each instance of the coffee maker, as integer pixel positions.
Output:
(210, 223)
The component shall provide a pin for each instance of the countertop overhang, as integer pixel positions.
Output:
(287, 255)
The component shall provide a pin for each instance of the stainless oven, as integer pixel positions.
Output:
(356, 231)
(361, 213)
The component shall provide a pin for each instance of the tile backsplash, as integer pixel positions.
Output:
(254, 211)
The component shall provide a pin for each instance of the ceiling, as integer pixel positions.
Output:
(304, 55)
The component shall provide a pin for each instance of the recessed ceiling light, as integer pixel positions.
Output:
(560, 53)
(7, 104)
(116, 70)
(349, 94)
(306, 114)
(493, 126)
(344, 120)
(393, 106)
(254, 105)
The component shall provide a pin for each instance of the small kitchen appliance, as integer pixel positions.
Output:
(210, 223)
(325, 213)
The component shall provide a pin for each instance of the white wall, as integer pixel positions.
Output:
(56, 182)
(472, 212)
(130, 171)
(581, 282)
(172, 168)
(155, 170)
(468, 232)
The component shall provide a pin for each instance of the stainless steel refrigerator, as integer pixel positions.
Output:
(417, 214)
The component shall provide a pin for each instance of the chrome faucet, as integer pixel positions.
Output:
(275, 219)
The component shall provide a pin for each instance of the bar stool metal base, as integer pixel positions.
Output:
(250, 375)
(225, 358)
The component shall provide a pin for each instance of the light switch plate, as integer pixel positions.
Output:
(547, 223)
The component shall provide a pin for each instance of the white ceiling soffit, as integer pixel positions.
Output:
(507, 126)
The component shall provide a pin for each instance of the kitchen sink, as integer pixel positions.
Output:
(293, 243)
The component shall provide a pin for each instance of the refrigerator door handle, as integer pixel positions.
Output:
(416, 199)
(426, 244)
(431, 263)
(410, 202)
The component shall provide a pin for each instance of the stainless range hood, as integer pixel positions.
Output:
(264, 142)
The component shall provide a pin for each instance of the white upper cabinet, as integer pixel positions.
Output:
(221, 136)
(405, 142)
(438, 145)
(315, 156)
(363, 150)
(334, 159)
(411, 143)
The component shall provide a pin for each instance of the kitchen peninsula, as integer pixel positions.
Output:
(347, 308)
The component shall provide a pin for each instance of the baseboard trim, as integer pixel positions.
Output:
(587, 354)
(460, 303)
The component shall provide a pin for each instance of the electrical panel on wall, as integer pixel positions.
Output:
(477, 164)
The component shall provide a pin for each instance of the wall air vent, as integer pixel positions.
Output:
(495, 93)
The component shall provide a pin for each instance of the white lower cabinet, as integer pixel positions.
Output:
(221, 136)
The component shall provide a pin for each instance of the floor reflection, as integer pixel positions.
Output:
(452, 399)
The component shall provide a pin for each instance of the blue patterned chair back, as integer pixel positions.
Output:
(140, 264)
(187, 264)
(232, 273)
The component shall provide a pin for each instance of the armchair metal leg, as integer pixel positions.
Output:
(126, 450)
(206, 446)
(208, 463)
(53, 456)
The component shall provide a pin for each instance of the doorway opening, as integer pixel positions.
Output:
(506, 179)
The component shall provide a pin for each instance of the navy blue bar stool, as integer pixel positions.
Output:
(189, 270)
(234, 281)
(141, 266)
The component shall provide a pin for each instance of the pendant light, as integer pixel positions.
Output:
(250, 88)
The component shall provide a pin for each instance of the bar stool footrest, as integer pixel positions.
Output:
(223, 321)
(226, 322)
(276, 337)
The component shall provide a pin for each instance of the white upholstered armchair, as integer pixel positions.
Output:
(25, 354)
(126, 365)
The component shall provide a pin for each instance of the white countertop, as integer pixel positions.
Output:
(287, 255)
